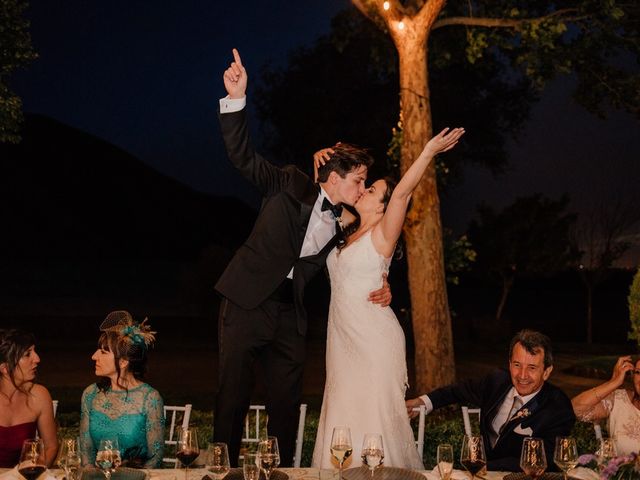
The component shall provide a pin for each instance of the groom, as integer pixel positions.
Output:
(262, 316)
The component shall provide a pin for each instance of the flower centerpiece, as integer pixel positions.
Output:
(623, 467)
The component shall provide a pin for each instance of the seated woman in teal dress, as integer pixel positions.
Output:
(25, 406)
(120, 405)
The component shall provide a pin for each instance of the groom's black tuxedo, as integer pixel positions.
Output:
(273, 247)
(547, 415)
(255, 323)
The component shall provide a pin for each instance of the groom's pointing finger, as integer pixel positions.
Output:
(236, 57)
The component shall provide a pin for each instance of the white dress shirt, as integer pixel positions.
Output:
(322, 225)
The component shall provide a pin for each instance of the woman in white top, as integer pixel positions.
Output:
(620, 405)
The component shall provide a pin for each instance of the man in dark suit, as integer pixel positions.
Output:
(514, 404)
(262, 316)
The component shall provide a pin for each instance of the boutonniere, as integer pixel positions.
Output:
(522, 413)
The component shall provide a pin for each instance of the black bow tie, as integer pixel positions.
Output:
(335, 209)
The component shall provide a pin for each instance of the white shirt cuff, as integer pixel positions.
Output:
(427, 403)
(230, 105)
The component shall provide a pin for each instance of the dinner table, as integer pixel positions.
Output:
(302, 473)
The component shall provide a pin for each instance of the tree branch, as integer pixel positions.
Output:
(502, 22)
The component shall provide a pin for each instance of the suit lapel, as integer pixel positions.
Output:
(525, 412)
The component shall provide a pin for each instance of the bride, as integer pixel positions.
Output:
(365, 362)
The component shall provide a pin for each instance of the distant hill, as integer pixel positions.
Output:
(65, 194)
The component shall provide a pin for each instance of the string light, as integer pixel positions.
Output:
(400, 25)
(386, 5)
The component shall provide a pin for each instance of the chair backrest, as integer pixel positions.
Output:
(256, 420)
(171, 416)
(55, 407)
(420, 440)
(466, 412)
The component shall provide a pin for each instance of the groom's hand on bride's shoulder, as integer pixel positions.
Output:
(382, 296)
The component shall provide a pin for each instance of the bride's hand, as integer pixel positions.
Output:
(443, 141)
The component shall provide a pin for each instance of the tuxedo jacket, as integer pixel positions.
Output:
(547, 415)
(265, 259)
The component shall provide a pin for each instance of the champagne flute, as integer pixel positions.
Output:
(444, 457)
(32, 460)
(69, 458)
(108, 457)
(341, 446)
(269, 455)
(218, 460)
(250, 466)
(372, 451)
(533, 459)
(187, 449)
(472, 456)
(565, 455)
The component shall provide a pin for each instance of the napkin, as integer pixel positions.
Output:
(583, 473)
(13, 474)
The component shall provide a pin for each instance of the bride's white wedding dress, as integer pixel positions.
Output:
(366, 365)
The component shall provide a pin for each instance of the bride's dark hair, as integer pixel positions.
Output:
(350, 229)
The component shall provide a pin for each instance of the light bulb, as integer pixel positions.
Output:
(386, 5)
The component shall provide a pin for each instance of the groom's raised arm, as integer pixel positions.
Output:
(235, 133)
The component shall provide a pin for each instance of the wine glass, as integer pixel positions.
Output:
(607, 451)
(250, 466)
(444, 457)
(268, 455)
(341, 446)
(533, 460)
(218, 460)
(108, 457)
(565, 455)
(372, 451)
(32, 460)
(69, 458)
(187, 449)
(472, 456)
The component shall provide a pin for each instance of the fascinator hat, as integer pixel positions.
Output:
(127, 331)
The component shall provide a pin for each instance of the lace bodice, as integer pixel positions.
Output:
(624, 422)
(135, 417)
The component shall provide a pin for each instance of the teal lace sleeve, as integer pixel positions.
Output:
(154, 408)
(87, 449)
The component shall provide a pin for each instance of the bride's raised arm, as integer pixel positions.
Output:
(391, 223)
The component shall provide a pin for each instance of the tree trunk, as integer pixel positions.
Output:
(434, 360)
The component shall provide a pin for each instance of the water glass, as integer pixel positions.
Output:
(69, 458)
(217, 462)
(250, 466)
(533, 459)
(372, 451)
(444, 458)
(565, 455)
(268, 455)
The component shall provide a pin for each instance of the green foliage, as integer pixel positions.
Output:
(634, 308)
(16, 52)
(596, 40)
(459, 255)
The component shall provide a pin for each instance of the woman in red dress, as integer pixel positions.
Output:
(25, 406)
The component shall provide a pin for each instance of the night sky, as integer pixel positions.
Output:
(146, 76)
